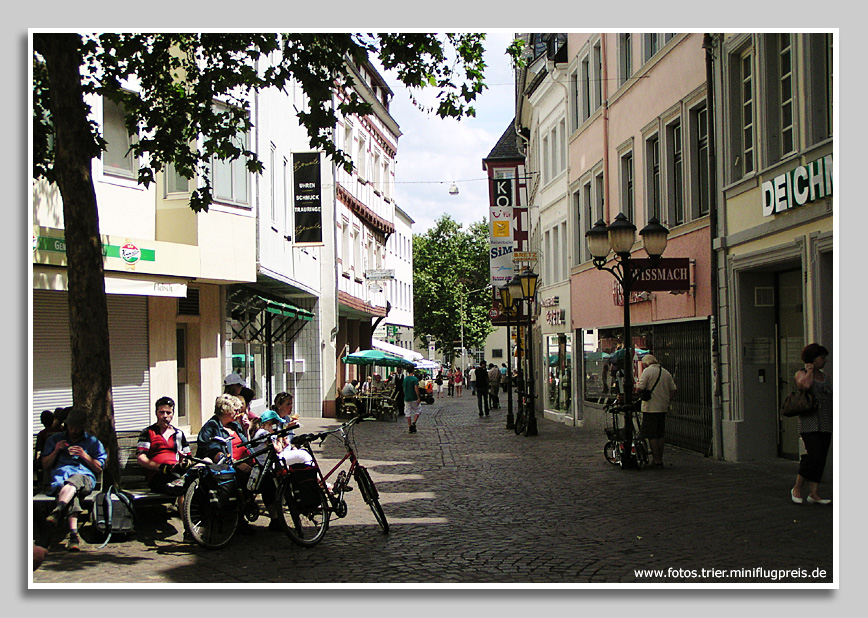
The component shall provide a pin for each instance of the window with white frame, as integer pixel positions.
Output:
(778, 90)
(346, 245)
(597, 76)
(117, 159)
(272, 181)
(654, 179)
(361, 158)
(651, 44)
(625, 57)
(357, 253)
(675, 176)
(229, 178)
(175, 184)
(627, 188)
(740, 103)
(699, 164)
(585, 76)
(376, 169)
(818, 97)
(575, 101)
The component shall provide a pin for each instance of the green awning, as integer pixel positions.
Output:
(285, 309)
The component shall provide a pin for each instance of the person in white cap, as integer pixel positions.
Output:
(232, 384)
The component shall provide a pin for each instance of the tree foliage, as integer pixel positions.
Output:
(167, 84)
(451, 272)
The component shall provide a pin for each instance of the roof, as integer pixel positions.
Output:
(507, 146)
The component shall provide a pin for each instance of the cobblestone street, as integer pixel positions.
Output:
(469, 502)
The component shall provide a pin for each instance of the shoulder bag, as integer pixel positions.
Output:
(645, 394)
(799, 403)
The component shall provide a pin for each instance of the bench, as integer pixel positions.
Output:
(132, 482)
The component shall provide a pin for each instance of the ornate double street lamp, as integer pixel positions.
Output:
(506, 304)
(523, 287)
(619, 237)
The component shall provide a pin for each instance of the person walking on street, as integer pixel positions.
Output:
(412, 399)
(815, 428)
(471, 379)
(459, 381)
(660, 383)
(494, 386)
(482, 402)
(398, 393)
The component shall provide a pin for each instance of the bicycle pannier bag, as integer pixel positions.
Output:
(305, 485)
(220, 479)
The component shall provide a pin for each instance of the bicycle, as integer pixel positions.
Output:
(213, 503)
(616, 450)
(522, 415)
(335, 494)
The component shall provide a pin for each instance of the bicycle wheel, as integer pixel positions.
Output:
(371, 496)
(641, 453)
(520, 422)
(304, 525)
(209, 525)
(610, 450)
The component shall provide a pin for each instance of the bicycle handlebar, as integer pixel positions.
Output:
(307, 438)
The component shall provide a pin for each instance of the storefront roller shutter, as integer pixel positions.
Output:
(128, 333)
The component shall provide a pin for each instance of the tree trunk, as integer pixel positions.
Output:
(88, 312)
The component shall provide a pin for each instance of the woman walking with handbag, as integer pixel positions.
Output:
(815, 428)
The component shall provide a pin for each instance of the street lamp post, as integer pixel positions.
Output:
(619, 237)
(523, 287)
(528, 288)
(506, 302)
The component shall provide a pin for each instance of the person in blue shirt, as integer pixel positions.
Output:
(71, 460)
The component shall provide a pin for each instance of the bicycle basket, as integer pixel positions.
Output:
(220, 479)
(611, 434)
(305, 485)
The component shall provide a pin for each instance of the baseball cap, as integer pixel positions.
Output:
(269, 415)
(233, 378)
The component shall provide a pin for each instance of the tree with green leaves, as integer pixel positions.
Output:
(451, 284)
(168, 84)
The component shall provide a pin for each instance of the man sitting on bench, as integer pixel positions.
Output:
(162, 449)
(72, 459)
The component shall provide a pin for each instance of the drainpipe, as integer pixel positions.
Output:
(605, 102)
(717, 384)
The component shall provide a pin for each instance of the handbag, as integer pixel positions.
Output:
(645, 394)
(799, 403)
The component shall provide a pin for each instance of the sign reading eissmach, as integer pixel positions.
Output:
(307, 198)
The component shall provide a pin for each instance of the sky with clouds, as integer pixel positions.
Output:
(433, 152)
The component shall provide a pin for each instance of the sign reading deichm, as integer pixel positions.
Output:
(797, 187)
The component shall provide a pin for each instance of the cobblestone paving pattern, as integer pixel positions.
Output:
(469, 502)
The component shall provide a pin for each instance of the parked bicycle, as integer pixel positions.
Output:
(213, 500)
(618, 450)
(522, 415)
(343, 476)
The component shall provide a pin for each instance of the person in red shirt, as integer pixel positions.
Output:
(162, 449)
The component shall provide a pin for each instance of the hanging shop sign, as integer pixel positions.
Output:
(500, 231)
(797, 187)
(669, 275)
(307, 191)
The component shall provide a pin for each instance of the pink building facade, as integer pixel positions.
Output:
(639, 146)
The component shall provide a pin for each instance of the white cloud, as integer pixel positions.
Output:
(434, 152)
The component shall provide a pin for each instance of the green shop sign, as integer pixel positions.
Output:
(129, 253)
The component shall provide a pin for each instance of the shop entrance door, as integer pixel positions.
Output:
(790, 326)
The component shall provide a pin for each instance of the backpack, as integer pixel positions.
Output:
(112, 512)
